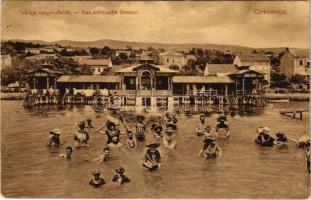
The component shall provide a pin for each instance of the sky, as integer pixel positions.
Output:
(213, 22)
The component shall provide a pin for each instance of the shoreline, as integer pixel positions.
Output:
(269, 96)
(13, 96)
(289, 96)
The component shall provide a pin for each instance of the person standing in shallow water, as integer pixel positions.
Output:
(264, 139)
(210, 150)
(113, 134)
(200, 128)
(54, 141)
(119, 177)
(89, 123)
(81, 137)
(152, 158)
(97, 181)
(308, 155)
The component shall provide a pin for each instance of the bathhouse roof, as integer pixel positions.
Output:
(253, 58)
(88, 79)
(202, 79)
(50, 71)
(157, 67)
(214, 69)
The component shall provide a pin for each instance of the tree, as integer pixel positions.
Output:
(279, 80)
(174, 67)
(84, 70)
(123, 56)
(94, 51)
(129, 47)
(298, 79)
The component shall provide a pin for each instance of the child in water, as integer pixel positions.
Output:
(131, 141)
(140, 128)
(104, 157)
(157, 133)
(208, 132)
(68, 153)
(169, 138)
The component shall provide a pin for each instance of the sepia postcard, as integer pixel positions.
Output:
(155, 99)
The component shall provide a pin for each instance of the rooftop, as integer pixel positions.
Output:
(88, 79)
(50, 71)
(202, 79)
(214, 69)
(171, 53)
(300, 53)
(92, 61)
(161, 69)
(253, 58)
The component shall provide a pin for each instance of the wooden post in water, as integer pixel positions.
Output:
(294, 114)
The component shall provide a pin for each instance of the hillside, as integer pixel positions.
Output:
(116, 44)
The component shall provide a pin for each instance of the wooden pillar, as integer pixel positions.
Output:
(34, 82)
(226, 90)
(121, 82)
(55, 82)
(236, 86)
(168, 83)
(47, 83)
(243, 85)
(136, 82)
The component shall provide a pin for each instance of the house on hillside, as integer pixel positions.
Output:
(172, 58)
(33, 50)
(98, 66)
(257, 62)
(48, 50)
(295, 62)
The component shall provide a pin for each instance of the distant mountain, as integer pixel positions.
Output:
(116, 44)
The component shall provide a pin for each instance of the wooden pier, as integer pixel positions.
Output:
(294, 113)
